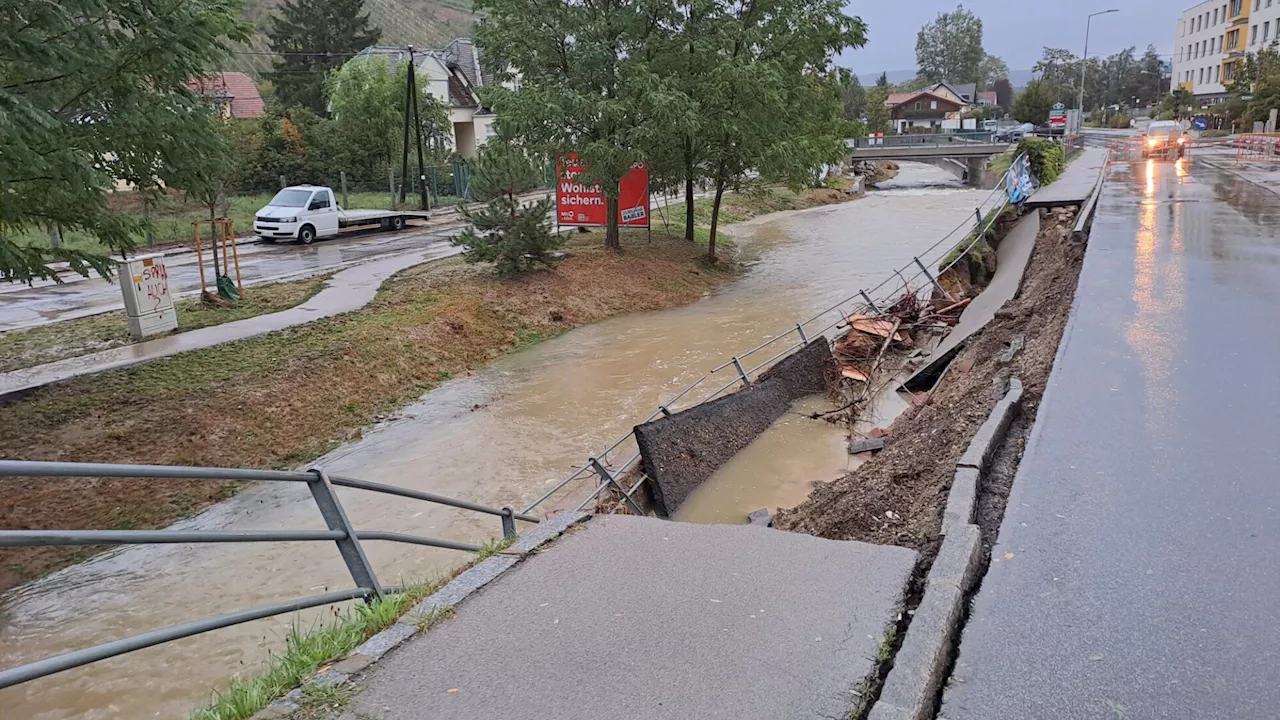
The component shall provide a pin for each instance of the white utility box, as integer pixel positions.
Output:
(144, 281)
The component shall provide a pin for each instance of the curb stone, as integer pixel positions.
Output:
(921, 663)
(920, 666)
(992, 432)
(453, 593)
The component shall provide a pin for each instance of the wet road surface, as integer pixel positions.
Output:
(46, 302)
(1136, 572)
(503, 435)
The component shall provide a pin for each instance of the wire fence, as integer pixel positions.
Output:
(608, 466)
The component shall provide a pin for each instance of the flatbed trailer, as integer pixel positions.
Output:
(308, 212)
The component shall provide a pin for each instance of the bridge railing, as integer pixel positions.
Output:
(915, 140)
(919, 276)
(340, 532)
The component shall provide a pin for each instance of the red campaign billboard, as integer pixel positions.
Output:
(579, 204)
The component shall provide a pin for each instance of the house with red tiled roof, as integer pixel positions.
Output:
(233, 94)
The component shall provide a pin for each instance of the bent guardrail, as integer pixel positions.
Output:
(340, 532)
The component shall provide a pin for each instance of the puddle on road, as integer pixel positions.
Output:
(501, 436)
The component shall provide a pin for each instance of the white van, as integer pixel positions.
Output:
(307, 212)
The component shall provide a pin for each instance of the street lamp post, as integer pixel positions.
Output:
(1084, 61)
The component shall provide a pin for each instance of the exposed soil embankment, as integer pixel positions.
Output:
(898, 497)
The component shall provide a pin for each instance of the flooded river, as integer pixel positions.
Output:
(500, 436)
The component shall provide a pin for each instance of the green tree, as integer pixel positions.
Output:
(1004, 93)
(990, 71)
(1151, 72)
(852, 95)
(93, 94)
(587, 84)
(1258, 79)
(950, 48)
(366, 102)
(772, 104)
(882, 82)
(312, 37)
(1034, 103)
(512, 236)
(878, 117)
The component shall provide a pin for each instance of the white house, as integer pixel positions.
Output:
(452, 75)
(1213, 37)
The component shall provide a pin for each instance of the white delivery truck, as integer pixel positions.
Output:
(307, 212)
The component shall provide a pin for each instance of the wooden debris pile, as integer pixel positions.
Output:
(904, 327)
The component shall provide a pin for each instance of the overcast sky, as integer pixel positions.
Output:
(1015, 30)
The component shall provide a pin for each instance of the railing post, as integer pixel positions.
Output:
(929, 275)
(870, 302)
(335, 518)
(608, 479)
(977, 214)
(508, 522)
(803, 338)
(665, 412)
(737, 364)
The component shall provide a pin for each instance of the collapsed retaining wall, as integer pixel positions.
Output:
(681, 451)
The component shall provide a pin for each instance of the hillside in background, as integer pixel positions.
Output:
(422, 23)
(1019, 78)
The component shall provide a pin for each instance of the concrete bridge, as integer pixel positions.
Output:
(964, 154)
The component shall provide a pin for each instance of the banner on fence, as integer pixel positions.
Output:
(1017, 182)
(581, 204)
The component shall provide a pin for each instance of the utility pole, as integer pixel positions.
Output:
(417, 131)
(408, 98)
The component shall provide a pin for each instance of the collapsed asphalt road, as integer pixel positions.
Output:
(1135, 573)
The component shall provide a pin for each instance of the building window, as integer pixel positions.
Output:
(1215, 16)
(1201, 80)
(1257, 5)
(933, 104)
(1215, 73)
(1237, 6)
(1266, 30)
(1253, 35)
(917, 104)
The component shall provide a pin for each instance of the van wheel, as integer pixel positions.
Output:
(397, 222)
(307, 234)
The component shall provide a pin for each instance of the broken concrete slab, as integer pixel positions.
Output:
(992, 431)
(681, 451)
(1014, 254)
(641, 618)
(760, 518)
(961, 499)
(866, 445)
(1076, 183)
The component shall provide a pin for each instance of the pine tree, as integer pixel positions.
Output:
(512, 236)
(313, 37)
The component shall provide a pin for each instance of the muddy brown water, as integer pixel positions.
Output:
(503, 435)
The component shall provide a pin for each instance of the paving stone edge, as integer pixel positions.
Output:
(920, 665)
(449, 596)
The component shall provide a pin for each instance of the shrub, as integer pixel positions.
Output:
(1047, 158)
(504, 232)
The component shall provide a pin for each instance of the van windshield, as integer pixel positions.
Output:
(1163, 130)
(291, 198)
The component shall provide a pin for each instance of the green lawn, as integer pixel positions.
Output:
(171, 218)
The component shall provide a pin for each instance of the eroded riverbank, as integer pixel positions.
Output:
(498, 436)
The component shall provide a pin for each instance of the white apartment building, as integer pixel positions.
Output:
(1213, 37)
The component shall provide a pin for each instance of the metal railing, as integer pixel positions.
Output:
(870, 301)
(923, 140)
(339, 531)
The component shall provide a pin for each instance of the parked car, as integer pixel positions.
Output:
(1164, 138)
(1014, 133)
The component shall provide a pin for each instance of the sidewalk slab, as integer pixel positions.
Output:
(637, 618)
(1075, 184)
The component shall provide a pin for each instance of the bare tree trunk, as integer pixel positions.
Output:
(612, 239)
(688, 189)
(715, 220)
